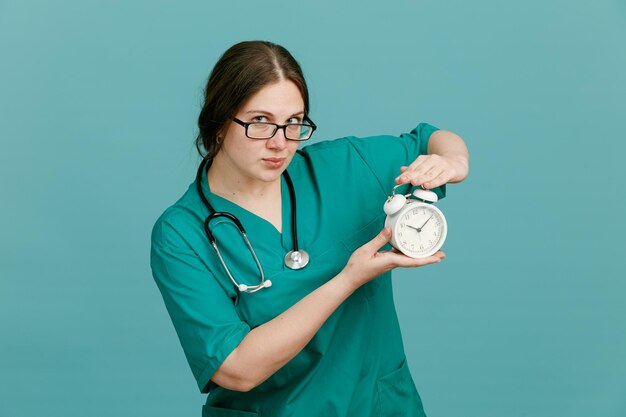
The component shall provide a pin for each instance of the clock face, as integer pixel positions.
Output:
(420, 230)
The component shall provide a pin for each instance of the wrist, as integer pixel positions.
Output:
(346, 283)
(461, 165)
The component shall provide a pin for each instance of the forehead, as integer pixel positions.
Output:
(277, 98)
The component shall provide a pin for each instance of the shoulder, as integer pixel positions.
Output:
(357, 144)
(331, 150)
(327, 144)
(320, 148)
(174, 223)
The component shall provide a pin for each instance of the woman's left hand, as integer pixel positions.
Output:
(433, 170)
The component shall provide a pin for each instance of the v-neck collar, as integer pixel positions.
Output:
(254, 224)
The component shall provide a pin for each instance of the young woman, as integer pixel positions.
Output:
(270, 265)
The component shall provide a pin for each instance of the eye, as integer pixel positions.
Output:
(294, 120)
(259, 119)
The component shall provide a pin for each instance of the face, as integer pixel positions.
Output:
(279, 103)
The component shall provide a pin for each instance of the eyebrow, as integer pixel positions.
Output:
(270, 114)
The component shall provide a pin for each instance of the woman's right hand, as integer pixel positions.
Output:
(367, 263)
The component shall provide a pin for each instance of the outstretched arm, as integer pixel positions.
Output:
(447, 162)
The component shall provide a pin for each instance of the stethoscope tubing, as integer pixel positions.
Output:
(214, 214)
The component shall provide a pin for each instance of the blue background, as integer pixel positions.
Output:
(98, 107)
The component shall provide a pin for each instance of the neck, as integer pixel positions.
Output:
(227, 181)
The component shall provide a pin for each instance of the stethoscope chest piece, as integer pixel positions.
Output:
(297, 259)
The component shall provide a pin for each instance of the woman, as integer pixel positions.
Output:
(323, 339)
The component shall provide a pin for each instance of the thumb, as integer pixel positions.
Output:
(379, 240)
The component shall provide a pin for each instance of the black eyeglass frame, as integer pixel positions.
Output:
(310, 124)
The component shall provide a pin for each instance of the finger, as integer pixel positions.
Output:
(403, 261)
(439, 254)
(403, 168)
(440, 179)
(418, 161)
(379, 241)
(423, 164)
(401, 179)
(419, 167)
(426, 179)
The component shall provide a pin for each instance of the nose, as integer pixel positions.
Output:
(278, 141)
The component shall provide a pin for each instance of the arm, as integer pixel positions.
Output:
(447, 162)
(450, 145)
(270, 346)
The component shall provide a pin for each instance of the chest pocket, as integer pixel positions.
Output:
(363, 235)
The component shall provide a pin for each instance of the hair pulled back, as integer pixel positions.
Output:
(240, 72)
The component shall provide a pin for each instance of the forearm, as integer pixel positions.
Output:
(270, 346)
(449, 144)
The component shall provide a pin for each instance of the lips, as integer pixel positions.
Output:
(274, 159)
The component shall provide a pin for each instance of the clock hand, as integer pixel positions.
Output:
(420, 229)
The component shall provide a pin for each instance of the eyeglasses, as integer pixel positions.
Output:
(265, 130)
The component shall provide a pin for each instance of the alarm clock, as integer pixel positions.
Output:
(418, 227)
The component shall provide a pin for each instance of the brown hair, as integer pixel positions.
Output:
(241, 71)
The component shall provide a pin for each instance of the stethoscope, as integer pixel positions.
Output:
(294, 259)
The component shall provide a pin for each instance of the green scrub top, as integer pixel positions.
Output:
(355, 365)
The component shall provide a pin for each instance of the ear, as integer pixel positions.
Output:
(221, 134)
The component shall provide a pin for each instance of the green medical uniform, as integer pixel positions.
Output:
(355, 365)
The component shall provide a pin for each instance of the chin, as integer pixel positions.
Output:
(270, 176)
(265, 175)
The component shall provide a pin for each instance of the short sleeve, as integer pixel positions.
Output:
(384, 155)
(204, 317)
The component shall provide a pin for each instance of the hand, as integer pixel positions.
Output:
(366, 263)
(433, 170)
